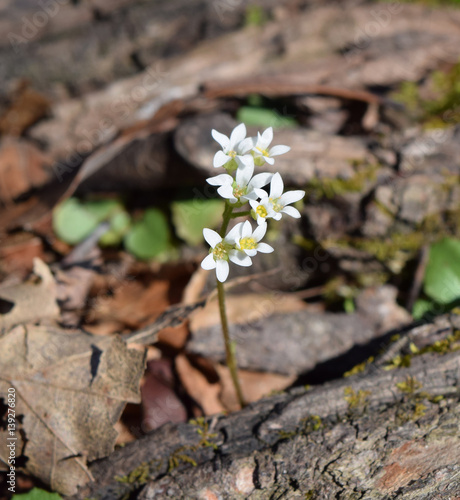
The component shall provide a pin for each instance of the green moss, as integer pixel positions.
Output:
(443, 108)
(140, 475)
(328, 187)
(181, 454)
(311, 423)
(356, 400)
(255, 16)
(359, 368)
(450, 344)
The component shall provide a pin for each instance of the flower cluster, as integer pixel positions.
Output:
(240, 155)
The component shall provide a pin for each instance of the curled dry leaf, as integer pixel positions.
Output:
(22, 167)
(29, 301)
(70, 389)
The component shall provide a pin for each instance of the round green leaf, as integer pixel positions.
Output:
(263, 117)
(442, 276)
(72, 223)
(149, 237)
(103, 209)
(190, 217)
(37, 494)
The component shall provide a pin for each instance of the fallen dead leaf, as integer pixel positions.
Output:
(27, 107)
(160, 403)
(17, 253)
(199, 387)
(254, 385)
(22, 167)
(70, 389)
(246, 309)
(28, 302)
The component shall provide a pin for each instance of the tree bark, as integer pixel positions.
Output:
(383, 433)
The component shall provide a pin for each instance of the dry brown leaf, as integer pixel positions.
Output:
(160, 403)
(28, 301)
(27, 107)
(22, 167)
(255, 385)
(17, 253)
(70, 389)
(203, 391)
(246, 308)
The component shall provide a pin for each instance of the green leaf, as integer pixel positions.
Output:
(120, 222)
(263, 117)
(37, 494)
(72, 223)
(190, 217)
(421, 307)
(442, 276)
(103, 209)
(149, 237)
(74, 220)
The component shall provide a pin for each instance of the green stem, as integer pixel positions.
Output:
(229, 346)
(227, 216)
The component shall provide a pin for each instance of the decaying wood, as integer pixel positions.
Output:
(374, 435)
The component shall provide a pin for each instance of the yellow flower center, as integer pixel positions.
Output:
(262, 211)
(277, 207)
(248, 243)
(219, 252)
(263, 151)
(232, 154)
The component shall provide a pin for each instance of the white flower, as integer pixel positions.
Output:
(276, 203)
(235, 149)
(223, 250)
(261, 152)
(241, 189)
(248, 241)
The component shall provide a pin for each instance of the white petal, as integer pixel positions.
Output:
(237, 135)
(222, 139)
(211, 237)
(254, 204)
(279, 150)
(291, 197)
(250, 195)
(260, 231)
(267, 137)
(245, 161)
(220, 159)
(239, 258)
(260, 180)
(208, 262)
(222, 270)
(220, 180)
(246, 230)
(268, 160)
(264, 248)
(276, 216)
(234, 234)
(261, 193)
(245, 146)
(260, 220)
(251, 252)
(293, 212)
(226, 191)
(276, 186)
(244, 174)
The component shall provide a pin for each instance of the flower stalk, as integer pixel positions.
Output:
(240, 156)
